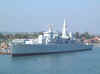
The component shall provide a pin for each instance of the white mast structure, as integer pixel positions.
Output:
(50, 31)
(50, 28)
(64, 29)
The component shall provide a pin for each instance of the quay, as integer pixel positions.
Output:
(4, 53)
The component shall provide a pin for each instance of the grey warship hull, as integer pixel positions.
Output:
(28, 50)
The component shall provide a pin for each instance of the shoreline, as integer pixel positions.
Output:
(4, 53)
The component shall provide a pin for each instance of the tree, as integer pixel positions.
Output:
(77, 35)
(2, 36)
(86, 35)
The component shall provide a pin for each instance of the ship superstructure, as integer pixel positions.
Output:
(51, 37)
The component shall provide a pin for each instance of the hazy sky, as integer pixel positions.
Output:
(35, 15)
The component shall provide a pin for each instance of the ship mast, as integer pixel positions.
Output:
(50, 28)
(50, 31)
(64, 30)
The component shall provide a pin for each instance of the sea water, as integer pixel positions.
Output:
(85, 62)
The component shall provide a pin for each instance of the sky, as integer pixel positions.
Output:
(35, 15)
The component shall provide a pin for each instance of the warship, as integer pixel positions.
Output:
(49, 42)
